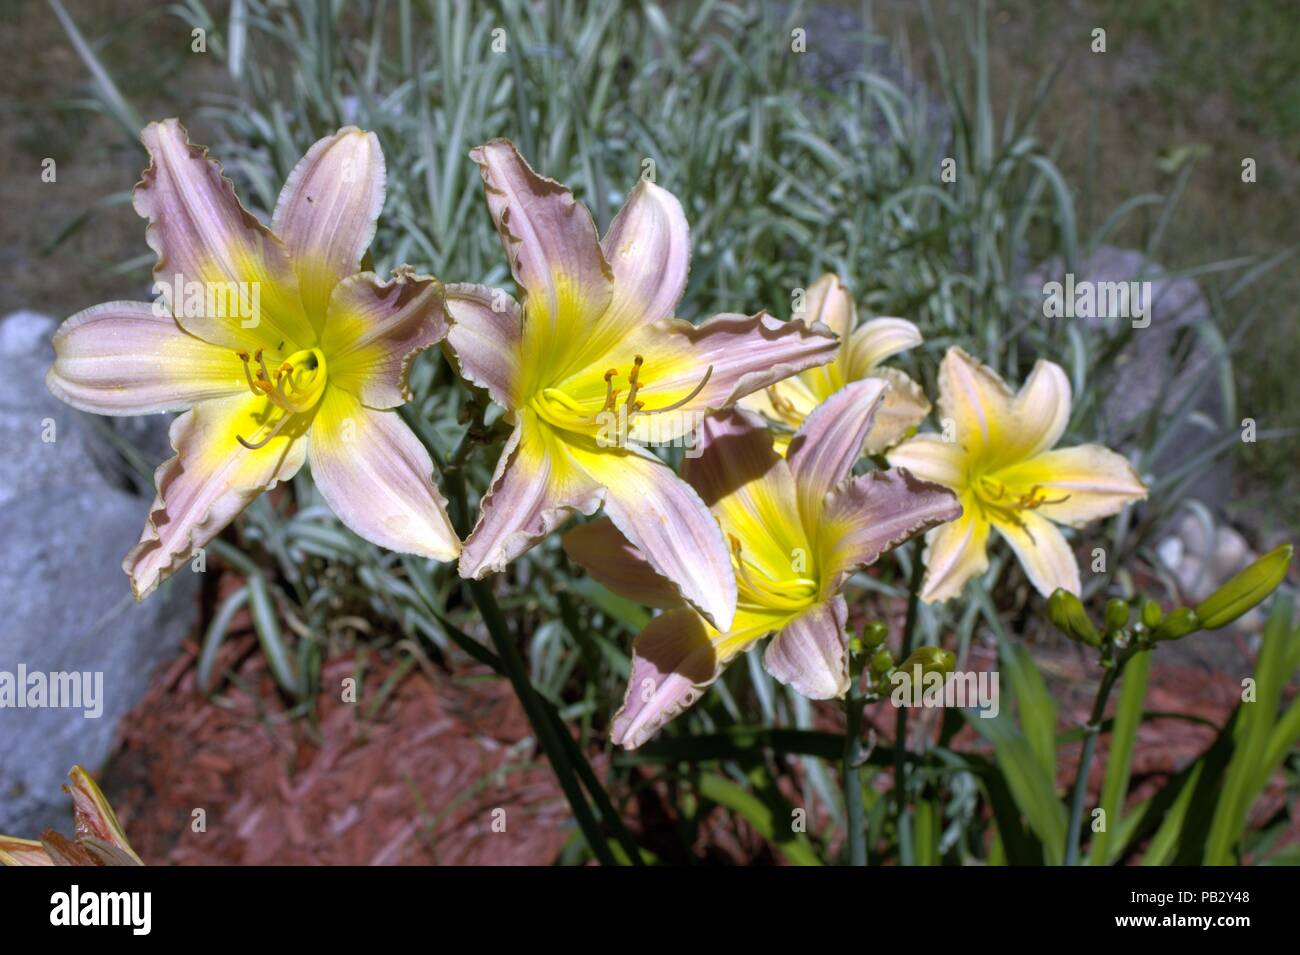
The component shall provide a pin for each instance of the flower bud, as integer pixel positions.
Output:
(873, 635)
(882, 662)
(1246, 590)
(930, 660)
(1177, 625)
(1066, 611)
(1117, 612)
(1151, 613)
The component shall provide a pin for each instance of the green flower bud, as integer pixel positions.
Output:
(930, 660)
(1066, 612)
(1151, 613)
(1177, 625)
(873, 635)
(1116, 614)
(1246, 590)
(882, 662)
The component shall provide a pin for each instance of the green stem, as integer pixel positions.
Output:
(853, 775)
(900, 722)
(513, 665)
(1090, 734)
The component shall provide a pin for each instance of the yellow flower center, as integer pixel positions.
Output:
(564, 411)
(995, 498)
(759, 588)
(294, 388)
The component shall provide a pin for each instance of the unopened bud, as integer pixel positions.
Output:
(930, 660)
(1245, 591)
(1066, 612)
(1116, 614)
(1151, 613)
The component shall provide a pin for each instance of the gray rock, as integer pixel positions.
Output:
(66, 521)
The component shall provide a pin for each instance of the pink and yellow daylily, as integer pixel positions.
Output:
(280, 349)
(1003, 463)
(787, 403)
(799, 526)
(595, 344)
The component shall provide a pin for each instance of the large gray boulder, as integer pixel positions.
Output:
(67, 517)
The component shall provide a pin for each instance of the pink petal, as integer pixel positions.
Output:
(673, 660)
(830, 440)
(554, 252)
(536, 487)
(876, 512)
(486, 335)
(648, 247)
(122, 358)
(209, 481)
(374, 329)
(377, 477)
(327, 212)
(811, 653)
(204, 236)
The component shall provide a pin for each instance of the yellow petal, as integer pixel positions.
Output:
(1079, 484)
(954, 553)
(1042, 551)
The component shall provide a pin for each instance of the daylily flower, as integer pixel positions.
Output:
(98, 841)
(593, 365)
(787, 403)
(798, 527)
(1001, 464)
(281, 350)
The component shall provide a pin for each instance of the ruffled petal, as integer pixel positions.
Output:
(1078, 485)
(375, 329)
(237, 287)
(537, 485)
(674, 659)
(810, 654)
(875, 513)
(954, 553)
(829, 303)
(600, 548)
(1043, 552)
(327, 211)
(209, 481)
(904, 408)
(486, 336)
(829, 443)
(378, 478)
(555, 257)
(125, 358)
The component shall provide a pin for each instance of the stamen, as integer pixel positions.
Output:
(267, 440)
(677, 404)
(634, 380)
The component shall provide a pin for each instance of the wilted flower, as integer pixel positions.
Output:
(996, 453)
(798, 527)
(862, 348)
(593, 364)
(281, 350)
(99, 839)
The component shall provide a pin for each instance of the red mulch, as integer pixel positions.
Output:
(417, 782)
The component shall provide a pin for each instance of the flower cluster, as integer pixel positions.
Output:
(306, 361)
